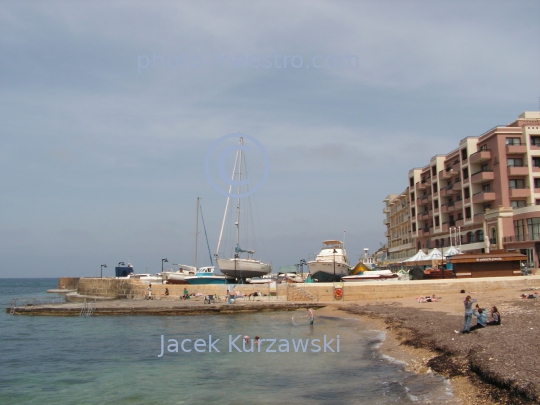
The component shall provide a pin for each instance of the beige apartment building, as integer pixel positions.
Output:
(487, 188)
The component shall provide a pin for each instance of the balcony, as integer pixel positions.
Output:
(519, 192)
(483, 196)
(421, 185)
(443, 192)
(478, 218)
(516, 149)
(457, 186)
(482, 176)
(480, 156)
(448, 207)
(386, 221)
(458, 205)
(460, 222)
(444, 175)
(444, 227)
(518, 170)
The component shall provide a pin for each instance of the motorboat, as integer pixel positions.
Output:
(145, 278)
(372, 275)
(266, 279)
(205, 275)
(331, 264)
(179, 276)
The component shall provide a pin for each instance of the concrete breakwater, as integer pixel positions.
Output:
(314, 292)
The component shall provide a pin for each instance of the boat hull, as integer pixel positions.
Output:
(323, 271)
(369, 277)
(206, 280)
(243, 268)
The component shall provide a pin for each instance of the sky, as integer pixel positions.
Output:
(108, 111)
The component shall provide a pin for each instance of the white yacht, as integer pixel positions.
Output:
(331, 263)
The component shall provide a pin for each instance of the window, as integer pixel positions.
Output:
(486, 188)
(412, 196)
(470, 237)
(433, 170)
(463, 154)
(436, 204)
(517, 203)
(516, 183)
(537, 202)
(466, 173)
(480, 236)
(515, 162)
(519, 230)
(487, 207)
(434, 188)
(513, 141)
(414, 227)
(483, 147)
(534, 228)
(459, 216)
(536, 161)
(535, 140)
(485, 168)
(437, 220)
(411, 181)
(537, 182)
(467, 193)
(468, 212)
(413, 212)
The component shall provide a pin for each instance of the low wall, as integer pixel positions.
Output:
(126, 288)
(323, 292)
(412, 288)
(68, 283)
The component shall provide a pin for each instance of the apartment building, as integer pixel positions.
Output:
(487, 188)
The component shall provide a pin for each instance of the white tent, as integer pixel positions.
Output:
(452, 251)
(435, 254)
(416, 258)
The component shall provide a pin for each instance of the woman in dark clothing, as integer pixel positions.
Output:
(495, 317)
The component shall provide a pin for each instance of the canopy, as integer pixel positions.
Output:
(435, 254)
(452, 251)
(417, 257)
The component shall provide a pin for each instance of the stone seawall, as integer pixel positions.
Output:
(413, 288)
(125, 288)
(68, 283)
(315, 292)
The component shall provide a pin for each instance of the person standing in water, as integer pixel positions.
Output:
(311, 316)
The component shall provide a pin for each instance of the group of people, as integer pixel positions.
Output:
(481, 316)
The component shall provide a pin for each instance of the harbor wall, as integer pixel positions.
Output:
(68, 283)
(135, 289)
(324, 292)
(314, 292)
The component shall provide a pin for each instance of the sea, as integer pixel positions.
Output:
(122, 360)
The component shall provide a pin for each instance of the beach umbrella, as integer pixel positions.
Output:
(416, 258)
(435, 254)
(452, 251)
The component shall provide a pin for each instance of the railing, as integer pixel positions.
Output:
(34, 302)
(521, 238)
(88, 309)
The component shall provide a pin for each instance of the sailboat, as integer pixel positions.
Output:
(239, 267)
(193, 274)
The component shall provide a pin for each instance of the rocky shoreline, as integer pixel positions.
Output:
(499, 361)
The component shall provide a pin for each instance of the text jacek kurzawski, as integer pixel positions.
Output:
(236, 344)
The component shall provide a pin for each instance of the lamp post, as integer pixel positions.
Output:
(103, 265)
(302, 262)
(163, 261)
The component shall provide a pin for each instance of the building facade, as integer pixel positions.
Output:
(483, 195)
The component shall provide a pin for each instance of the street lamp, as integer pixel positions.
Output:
(302, 262)
(163, 261)
(103, 265)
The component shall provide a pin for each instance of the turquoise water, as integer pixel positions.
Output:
(98, 360)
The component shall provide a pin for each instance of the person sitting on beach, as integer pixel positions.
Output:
(481, 318)
(186, 294)
(495, 317)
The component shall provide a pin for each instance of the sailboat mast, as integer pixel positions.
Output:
(240, 156)
(226, 208)
(197, 232)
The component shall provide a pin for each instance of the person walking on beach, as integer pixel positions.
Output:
(150, 291)
(468, 314)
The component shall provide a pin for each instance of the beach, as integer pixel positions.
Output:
(494, 365)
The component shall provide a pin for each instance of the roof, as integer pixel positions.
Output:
(487, 257)
(332, 242)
